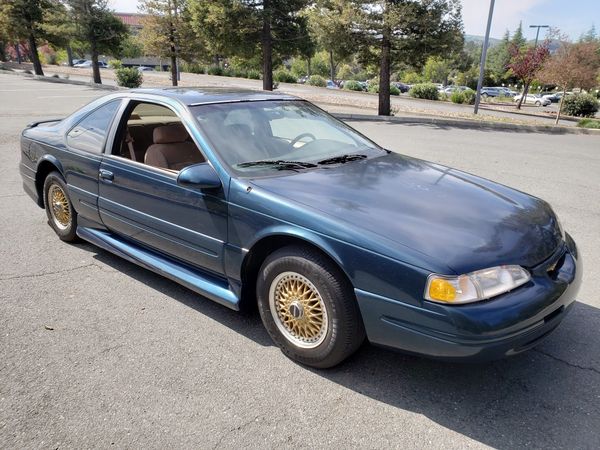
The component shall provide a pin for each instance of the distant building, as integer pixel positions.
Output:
(132, 20)
(134, 23)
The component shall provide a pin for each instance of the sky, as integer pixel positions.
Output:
(572, 17)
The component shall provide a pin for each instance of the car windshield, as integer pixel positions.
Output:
(258, 138)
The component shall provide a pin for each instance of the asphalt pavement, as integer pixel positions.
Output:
(96, 352)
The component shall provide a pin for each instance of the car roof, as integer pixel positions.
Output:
(192, 96)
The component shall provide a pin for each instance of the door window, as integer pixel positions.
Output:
(89, 134)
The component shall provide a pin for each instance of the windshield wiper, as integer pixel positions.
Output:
(278, 164)
(341, 159)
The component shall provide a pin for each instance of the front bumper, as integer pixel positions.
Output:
(506, 325)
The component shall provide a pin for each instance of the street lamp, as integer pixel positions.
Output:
(537, 33)
(483, 56)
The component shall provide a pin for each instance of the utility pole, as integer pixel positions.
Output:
(483, 57)
(537, 33)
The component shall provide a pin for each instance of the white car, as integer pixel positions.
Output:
(533, 99)
(88, 64)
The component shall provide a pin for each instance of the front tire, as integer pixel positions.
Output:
(308, 307)
(62, 217)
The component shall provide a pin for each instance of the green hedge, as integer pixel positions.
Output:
(215, 70)
(284, 76)
(129, 77)
(253, 74)
(427, 91)
(317, 80)
(469, 96)
(580, 105)
(457, 97)
(352, 85)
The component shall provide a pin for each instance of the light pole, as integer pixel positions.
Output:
(483, 57)
(537, 33)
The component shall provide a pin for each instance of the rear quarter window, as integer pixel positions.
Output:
(90, 133)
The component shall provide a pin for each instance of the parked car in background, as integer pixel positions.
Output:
(332, 85)
(554, 97)
(259, 198)
(506, 92)
(403, 88)
(492, 92)
(88, 63)
(452, 88)
(537, 100)
(145, 69)
(303, 80)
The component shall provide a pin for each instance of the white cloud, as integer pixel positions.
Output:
(507, 15)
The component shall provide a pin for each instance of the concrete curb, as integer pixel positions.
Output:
(472, 124)
(63, 80)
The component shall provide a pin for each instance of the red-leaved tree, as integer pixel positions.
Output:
(525, 63)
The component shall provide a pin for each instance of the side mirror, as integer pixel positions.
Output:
(199, 176)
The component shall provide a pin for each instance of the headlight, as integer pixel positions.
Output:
(474, 286)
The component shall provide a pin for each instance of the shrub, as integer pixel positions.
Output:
(427, 91)
(580, 105)
(317, 80)
(457, 97)
(469, 96)
(373, 87)
(192, 67)
(589, 123)
(240, 73)
(228, 72)
(115, 64)
(284, 76)
(253, 74)
(215, 70)
(352, 85)
(443, 97)
(129, 77)
(394, 90)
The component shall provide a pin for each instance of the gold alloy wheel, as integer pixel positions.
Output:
(60, 209)
(298, 310)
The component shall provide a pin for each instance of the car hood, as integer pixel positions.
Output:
(463, 221)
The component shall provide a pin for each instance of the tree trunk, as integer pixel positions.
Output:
(173, 67)
(308, 67)
(69, 56)
(35, 58)
(562, 99)
(523, 98)
(95, 68)
(267, 47)
(384, 74)
(331, 66)
(18, 52)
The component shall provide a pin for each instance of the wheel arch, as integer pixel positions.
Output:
(266, 245)
(46, 165)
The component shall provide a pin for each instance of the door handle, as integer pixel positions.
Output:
(106, 175)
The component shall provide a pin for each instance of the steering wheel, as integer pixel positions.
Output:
(300, 136)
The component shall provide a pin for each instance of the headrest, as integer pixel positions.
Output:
(170, 134)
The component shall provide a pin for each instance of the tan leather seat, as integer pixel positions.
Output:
(171, 149)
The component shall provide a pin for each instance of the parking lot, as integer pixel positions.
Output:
(97, 352)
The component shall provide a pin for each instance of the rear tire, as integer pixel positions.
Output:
(62, 217)
(308, 307)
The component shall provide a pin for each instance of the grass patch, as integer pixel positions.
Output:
(589, 123)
